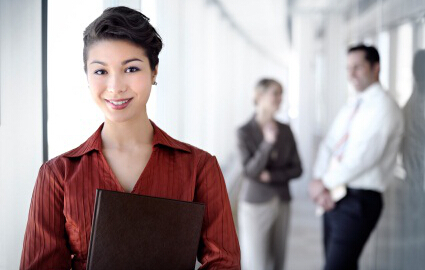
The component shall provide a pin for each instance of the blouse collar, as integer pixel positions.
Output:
(94, 142)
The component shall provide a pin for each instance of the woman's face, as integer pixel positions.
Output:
(120, 79)
(270, 99)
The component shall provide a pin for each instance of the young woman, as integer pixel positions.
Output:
(127, 153)
(270, 160)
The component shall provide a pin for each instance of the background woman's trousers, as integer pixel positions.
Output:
(263, 229)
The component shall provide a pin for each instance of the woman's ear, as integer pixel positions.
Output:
(154, 74)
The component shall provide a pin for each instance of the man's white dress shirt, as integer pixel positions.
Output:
(375, 132)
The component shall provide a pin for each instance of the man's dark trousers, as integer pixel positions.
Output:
(348, 226)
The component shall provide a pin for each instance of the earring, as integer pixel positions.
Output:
(155, 83)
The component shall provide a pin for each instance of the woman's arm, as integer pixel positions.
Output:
(292, 168)
(253, 163)
(219, 246)
(45, 245)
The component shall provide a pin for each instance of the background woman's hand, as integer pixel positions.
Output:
(265, 177)
(270, 132)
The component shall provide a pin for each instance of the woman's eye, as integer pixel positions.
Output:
(132, 69)
(100, 72)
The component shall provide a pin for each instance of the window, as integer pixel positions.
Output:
(69, 101)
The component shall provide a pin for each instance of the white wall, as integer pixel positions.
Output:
(303, 76)
(319, 75)
(207, 73)
(21, 120)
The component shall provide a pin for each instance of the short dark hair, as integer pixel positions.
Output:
(371, 53)
(123, 23)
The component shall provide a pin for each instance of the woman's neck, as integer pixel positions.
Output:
(127, 135)
(263, 116)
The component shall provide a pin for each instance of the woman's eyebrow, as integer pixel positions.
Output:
(98, 62)
(130, 60)
(122, 63)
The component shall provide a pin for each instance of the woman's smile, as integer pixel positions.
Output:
(118, 104)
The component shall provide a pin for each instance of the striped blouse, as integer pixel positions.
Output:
(60, 217)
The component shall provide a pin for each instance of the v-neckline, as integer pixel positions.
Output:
(142, 175)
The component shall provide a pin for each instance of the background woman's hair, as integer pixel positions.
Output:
(262, 87)
(123, 23)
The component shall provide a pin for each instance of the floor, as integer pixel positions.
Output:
(305, 242)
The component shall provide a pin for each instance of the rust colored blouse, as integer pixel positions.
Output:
(60, 217)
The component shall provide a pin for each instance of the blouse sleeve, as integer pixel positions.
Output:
(45, 244)
(219, 246)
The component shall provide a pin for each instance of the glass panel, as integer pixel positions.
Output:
(383, 45)
(404, 80)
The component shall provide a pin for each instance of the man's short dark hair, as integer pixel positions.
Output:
(371, 53)
(123, 23)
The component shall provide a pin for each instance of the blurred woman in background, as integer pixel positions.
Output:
(270, 160)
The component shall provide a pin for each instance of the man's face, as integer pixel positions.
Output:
(360, 72)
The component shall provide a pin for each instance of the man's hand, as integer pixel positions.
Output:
(315, 188)
(325, 201)
(320, 195)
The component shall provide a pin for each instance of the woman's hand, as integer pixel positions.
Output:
(265, 177)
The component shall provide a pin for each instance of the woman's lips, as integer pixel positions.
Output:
(118, 104)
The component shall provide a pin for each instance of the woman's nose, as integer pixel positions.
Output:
(116, 84)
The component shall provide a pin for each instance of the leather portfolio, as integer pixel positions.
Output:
(132, 231)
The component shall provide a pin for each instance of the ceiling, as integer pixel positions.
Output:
(266, 24)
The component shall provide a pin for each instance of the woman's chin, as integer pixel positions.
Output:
(117, 119)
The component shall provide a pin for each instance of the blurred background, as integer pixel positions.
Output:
(215, 51)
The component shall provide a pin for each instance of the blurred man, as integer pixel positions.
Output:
(355, 162)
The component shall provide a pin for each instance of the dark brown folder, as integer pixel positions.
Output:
(140, 232)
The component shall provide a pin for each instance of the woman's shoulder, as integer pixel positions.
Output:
(283, 126)
(54, 167)
(194, 151)
(247, 127)
(179, 147)
(59, 163)
(285, 130)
